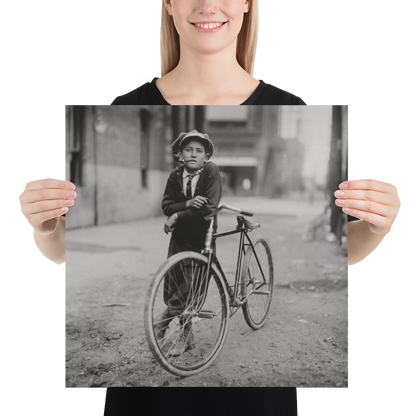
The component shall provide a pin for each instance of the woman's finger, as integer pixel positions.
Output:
(36, 220)
(363, 206)
(368, 184)
(377, 223)
(46, 194)
(47, 205)
(49, 184)
(364, 195)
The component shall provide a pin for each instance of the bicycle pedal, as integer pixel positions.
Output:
(236, 303)
(206, 314)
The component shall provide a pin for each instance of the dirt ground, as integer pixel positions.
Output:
(303, 343)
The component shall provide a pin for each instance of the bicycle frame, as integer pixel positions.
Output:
(244, 242)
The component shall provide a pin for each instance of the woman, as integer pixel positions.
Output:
(208, 50)
(207, 55)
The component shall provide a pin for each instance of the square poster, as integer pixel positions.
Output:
(281, 163)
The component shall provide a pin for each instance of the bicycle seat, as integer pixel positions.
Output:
(250, 225)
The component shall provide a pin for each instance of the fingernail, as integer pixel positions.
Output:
(64, 209)
(343, 185)
(345, 209)
(69, 202)
(339, 193)
(70, 185)
(339, 201)
(70, 194)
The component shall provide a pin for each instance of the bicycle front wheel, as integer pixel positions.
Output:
(186, 314)
(257, 283)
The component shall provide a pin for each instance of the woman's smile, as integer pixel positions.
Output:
(208, 27)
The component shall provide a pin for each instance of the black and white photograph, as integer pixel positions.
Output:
(205, 249)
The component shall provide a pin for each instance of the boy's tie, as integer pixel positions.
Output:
(189, 185)
(190, 176)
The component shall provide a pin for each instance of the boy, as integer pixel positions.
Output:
(193, 191)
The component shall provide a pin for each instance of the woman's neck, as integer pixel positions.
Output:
(207, 79)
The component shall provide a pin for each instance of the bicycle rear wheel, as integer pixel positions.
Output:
(257, 282)
(186, 314)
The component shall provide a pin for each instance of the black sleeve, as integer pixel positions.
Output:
(267, 94)
(146, 94)
(212, 191)
(352, 218)
(128, 97)
(170, 205)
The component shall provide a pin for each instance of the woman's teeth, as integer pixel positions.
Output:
(208, 25)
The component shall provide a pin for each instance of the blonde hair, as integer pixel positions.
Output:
(246, 41)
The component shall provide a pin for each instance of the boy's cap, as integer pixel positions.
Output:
(193, 134)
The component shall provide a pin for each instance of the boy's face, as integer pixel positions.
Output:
(193, 155)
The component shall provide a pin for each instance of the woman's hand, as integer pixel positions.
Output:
(373, 201)
(44, 201)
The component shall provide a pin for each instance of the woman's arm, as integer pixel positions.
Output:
(52, 245)
(362, 242)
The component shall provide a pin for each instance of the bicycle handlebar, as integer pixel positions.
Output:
(229, 208)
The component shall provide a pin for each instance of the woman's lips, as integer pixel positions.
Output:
(208, 27)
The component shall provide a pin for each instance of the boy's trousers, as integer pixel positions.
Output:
(183, 280)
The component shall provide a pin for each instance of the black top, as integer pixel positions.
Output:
(201, 401)
(191, 227)
(265, 94)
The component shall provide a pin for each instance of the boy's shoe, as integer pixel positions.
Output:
(161, 325)
(186, 342)
(159, 333)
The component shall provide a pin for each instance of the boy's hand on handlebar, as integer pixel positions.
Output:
(196, 202)
(44, 201)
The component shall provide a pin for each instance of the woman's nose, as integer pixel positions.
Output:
(208, 7)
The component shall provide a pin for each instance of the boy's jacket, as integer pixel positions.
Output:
(191, 226)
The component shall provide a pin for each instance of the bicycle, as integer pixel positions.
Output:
(188, 341)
